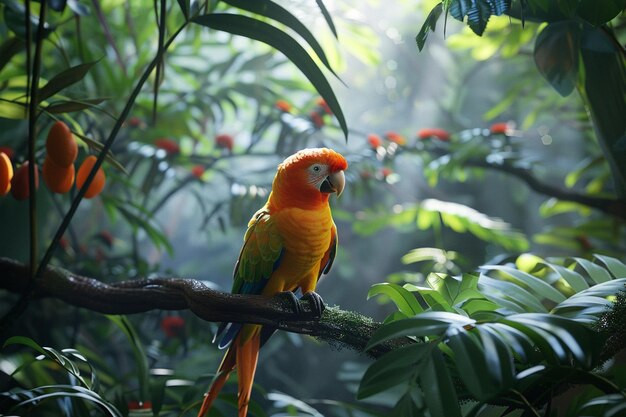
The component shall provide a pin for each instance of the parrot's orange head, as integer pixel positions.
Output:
(308, 177)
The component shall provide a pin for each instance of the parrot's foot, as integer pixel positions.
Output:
(316, 301)
(290, 297)
(317, 304)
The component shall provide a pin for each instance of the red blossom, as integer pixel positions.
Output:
(8, 151)
(168, 145)
(374, 140)
(317, 119)
(440, 134)
(395, 138)
(197, 171)
(322, 103)
(135, 122)
(499, 128)
(172, 326)
(225, 141)
(139, 405)
(283, 105)
(385, 172)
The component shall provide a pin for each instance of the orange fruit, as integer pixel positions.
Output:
(20, 183)
(58, 179)
(6, 173)
(61, 145)
(98, 182)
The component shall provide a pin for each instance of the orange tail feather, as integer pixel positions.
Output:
(223, 372)
(247, 358)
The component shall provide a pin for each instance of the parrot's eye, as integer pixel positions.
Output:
(316, 168)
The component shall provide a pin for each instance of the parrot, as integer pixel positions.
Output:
(290, 242)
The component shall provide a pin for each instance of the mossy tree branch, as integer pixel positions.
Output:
(335, 326)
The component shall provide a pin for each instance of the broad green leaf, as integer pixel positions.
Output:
(263, 32)
(600, 12)
(573, 278)
(439, 392)
(596, 272)
(557, 49)
(64, 79)
(12, 110)
(402, 298)
(469, 358)
(537, 285)
(433, 298)
(514, 293)
(391, 369)
(616, 268)
(430, 323)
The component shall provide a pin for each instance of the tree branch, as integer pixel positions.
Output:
(613, 207)
(338, 327)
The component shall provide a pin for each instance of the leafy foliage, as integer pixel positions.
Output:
(497, 336)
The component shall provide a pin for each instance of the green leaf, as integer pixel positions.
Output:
(327, 17)
(595, 272)
(439, 392)
(67, 106)
(263, 32)
(557, 49)
(470, 362)
(614, 266)
(573, 278)
(430, 323)
(537, 285)
(276, 12)
(428, 26)
(12, 110)
(26, 341)
(433, 298)
(513, 293)
(600, 12)
(391, 369)
(478, 15)
(141, 359)
(64, 79)
(402, 298)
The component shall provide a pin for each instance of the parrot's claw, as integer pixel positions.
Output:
(317, 302)
(291, 298)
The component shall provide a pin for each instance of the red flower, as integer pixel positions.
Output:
(365, 175)
(135, 122)
(499, 128)
(317, 119)
(374, 140)
(172, 326)
(385, 172)
(168, 145)
(322, 103)
(225, 141)
(395, 138)
(8, 151)
(283, 105)
(440, 134)
(197, 171)
(139, 405)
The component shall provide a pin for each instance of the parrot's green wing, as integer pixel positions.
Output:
(260, 255)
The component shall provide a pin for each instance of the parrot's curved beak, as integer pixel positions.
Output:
(334, 183)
